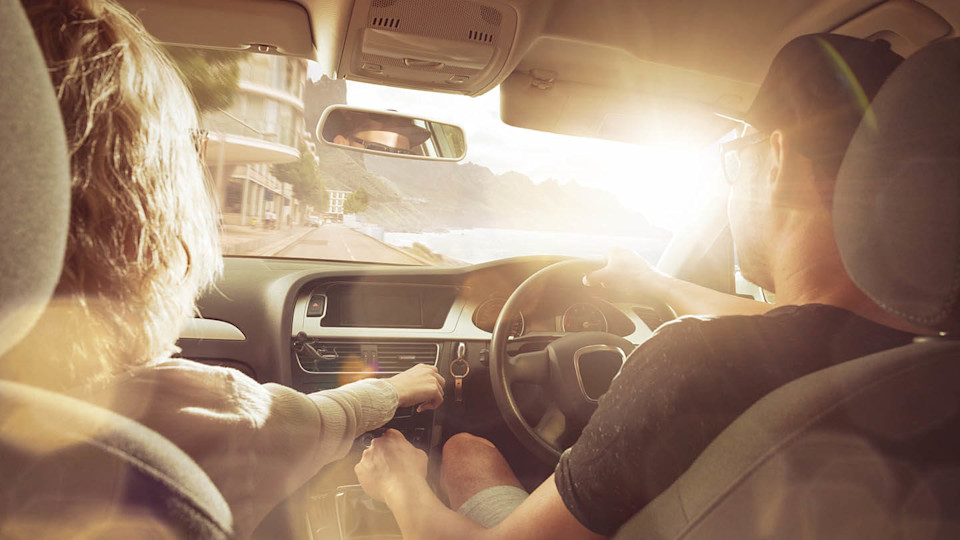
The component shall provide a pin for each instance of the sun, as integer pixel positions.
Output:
(667, 185)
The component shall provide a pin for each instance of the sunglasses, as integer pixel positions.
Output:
(369, 145)
(730, 154)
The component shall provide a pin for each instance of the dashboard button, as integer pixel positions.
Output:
(317, 305)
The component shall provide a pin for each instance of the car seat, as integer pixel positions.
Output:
(68, 468)
(869, 448)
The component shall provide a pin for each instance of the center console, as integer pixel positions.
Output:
(350, 330)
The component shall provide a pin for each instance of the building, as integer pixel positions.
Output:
(337, 198)
(263, 126)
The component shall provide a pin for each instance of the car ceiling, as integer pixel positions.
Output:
(606, 62)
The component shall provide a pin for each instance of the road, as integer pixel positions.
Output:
(334, 241)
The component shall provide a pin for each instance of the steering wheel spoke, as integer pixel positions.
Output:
(556, 428)
(529, 367)
(552, 426)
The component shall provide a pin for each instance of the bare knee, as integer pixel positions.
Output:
(470, 465)
(466, 445)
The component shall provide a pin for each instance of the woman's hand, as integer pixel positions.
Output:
(421, 384)
(390, 462)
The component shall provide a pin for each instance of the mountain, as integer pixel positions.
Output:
(468, 195)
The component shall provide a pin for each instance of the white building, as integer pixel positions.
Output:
(262, 127)
(337, 200)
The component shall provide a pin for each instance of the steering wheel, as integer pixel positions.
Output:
(573, 370)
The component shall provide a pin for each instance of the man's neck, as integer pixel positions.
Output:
(811, 272)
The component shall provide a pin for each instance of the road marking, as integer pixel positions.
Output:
(343, 241)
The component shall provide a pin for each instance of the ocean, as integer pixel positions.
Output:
(481, 245)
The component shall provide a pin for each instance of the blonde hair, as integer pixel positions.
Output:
(142, 241)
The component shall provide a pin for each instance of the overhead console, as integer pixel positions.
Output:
(457, 46)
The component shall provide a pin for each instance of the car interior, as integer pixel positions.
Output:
(867, 449)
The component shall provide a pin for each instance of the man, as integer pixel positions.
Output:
(688, 382)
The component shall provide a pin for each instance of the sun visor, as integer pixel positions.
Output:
(269, 26)
(456, 46)
(536, 101)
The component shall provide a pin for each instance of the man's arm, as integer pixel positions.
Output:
(691, 299)
(393, 470)
(627, 271)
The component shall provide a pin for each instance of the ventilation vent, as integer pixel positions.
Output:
(403, 356)
(649, 316)
(482, 37)
(329, 356)
(386, 22)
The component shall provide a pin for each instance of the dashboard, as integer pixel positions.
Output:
(316, 325)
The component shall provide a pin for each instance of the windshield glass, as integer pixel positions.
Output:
(282, 193)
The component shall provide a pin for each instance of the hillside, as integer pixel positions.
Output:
(456, 196)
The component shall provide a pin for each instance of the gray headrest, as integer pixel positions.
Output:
(897, 200)
(34, 179)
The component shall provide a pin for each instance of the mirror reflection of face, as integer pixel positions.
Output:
(392, 134)
(385, 138)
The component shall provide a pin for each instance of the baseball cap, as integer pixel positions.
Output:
(818, 89)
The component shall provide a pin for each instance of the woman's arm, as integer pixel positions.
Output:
(353, 409)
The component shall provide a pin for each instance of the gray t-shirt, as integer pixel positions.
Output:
(684, 386)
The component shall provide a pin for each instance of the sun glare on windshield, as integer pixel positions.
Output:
(284, 193)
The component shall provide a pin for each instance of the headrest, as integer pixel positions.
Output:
(34, 179)
(897, 200)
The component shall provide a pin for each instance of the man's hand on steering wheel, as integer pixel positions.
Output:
(626, 271)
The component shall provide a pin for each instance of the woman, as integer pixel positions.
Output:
(142, 244)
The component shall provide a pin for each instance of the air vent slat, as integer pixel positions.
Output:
(482, 37)
(367, 356)
(385, 22)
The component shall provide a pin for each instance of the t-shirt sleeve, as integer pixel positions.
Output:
(642, 436)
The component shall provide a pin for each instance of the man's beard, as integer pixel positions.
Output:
(754, 267)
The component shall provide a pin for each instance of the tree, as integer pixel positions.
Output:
(356, 202)
(305, 176)
(212, 76)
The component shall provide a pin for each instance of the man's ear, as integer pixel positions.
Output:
(791, 173)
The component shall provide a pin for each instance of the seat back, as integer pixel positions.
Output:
(866, 449)
(71, 469)
(34, 180)
(869, 448)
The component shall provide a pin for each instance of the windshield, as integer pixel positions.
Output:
(282, 193)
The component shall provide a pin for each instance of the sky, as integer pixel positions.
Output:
(659, 182)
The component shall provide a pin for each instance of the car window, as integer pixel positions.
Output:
(518, 192)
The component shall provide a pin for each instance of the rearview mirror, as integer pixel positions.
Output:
(391, 134)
